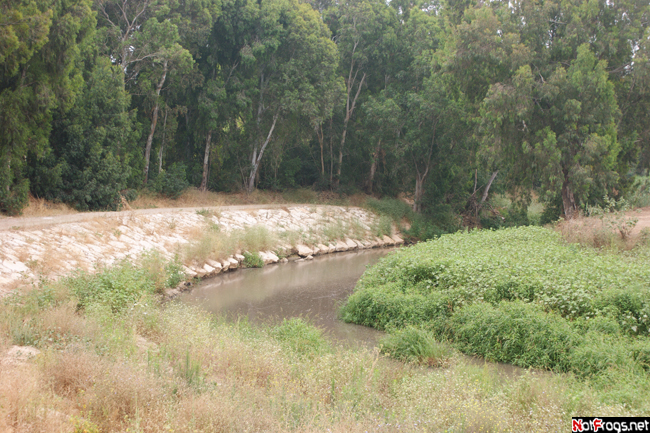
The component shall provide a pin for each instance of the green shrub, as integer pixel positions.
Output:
(392, 207)
(597, 353)
(116, 287)
(517, 295)
(252, 260)
(640, 192)
(171, 182)
(415, 345)
(300, 337)
(514, 332)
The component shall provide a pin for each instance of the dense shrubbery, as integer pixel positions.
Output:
(521, 296)
(171, 182)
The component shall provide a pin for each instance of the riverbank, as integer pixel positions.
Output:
(203, 241)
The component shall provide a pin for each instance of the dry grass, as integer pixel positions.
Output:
(39, 207)
(195, 198)
(591, 232)
(195, 373)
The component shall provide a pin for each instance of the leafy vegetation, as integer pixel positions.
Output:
(252, 260)
(298, 98)
(522, 296)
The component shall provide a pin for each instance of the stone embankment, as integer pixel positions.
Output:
(301, 232)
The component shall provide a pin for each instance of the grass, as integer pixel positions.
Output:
(521, 296)
(155, 367)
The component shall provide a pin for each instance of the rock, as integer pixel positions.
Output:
(315, 250)
(322, 249)
(15, 266)
(351, 244)
(239, 258)
(360, 245)
(225, 265)
(189, 272)
(208, 269)
(303, 250)
(309, 258)
(234, 264)
(216, 265)
(284, 260)
(341, 246)
(388, 241)
(172, 293)
(272, 257)
(398, 240)
(19, 354)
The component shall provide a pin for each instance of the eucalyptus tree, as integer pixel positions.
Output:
(563, 126)
(293, 61)
(41, 46)
(167, 58)
(361, 29)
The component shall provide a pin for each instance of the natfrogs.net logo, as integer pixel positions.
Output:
(607, 425)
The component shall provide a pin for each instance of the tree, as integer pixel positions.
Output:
(40, 51)
(361, 27)
(294, 62)
(167, 58)
(563, 126)
(88, 167)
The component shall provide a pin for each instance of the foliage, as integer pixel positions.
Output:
(125, 283)
(519, 295)
(300, 337)
(171, 182)
(387, 98)
(639, 195)
(253, 260)
(415, 345)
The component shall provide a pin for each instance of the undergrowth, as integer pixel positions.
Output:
(521, 296)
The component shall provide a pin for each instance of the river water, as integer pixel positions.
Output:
(311, 289)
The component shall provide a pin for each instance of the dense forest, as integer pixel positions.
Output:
(438, 100)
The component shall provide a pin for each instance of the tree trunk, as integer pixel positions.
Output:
(373, 167)
(319, 134)
(206, 163)
(154, 121)
(487, 188)
(257, 158)
(419, 192)
(349, 110)
(568, 201)
(162, 145)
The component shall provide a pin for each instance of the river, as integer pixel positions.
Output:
(311, 289)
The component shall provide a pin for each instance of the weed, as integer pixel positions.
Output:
(206, 213)
(252, 260)
(415, 345)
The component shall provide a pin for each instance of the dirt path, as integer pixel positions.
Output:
(21, 223)
(643, 215)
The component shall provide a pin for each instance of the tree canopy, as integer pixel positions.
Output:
(436, 100)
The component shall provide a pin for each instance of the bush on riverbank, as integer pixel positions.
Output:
(520, 296)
